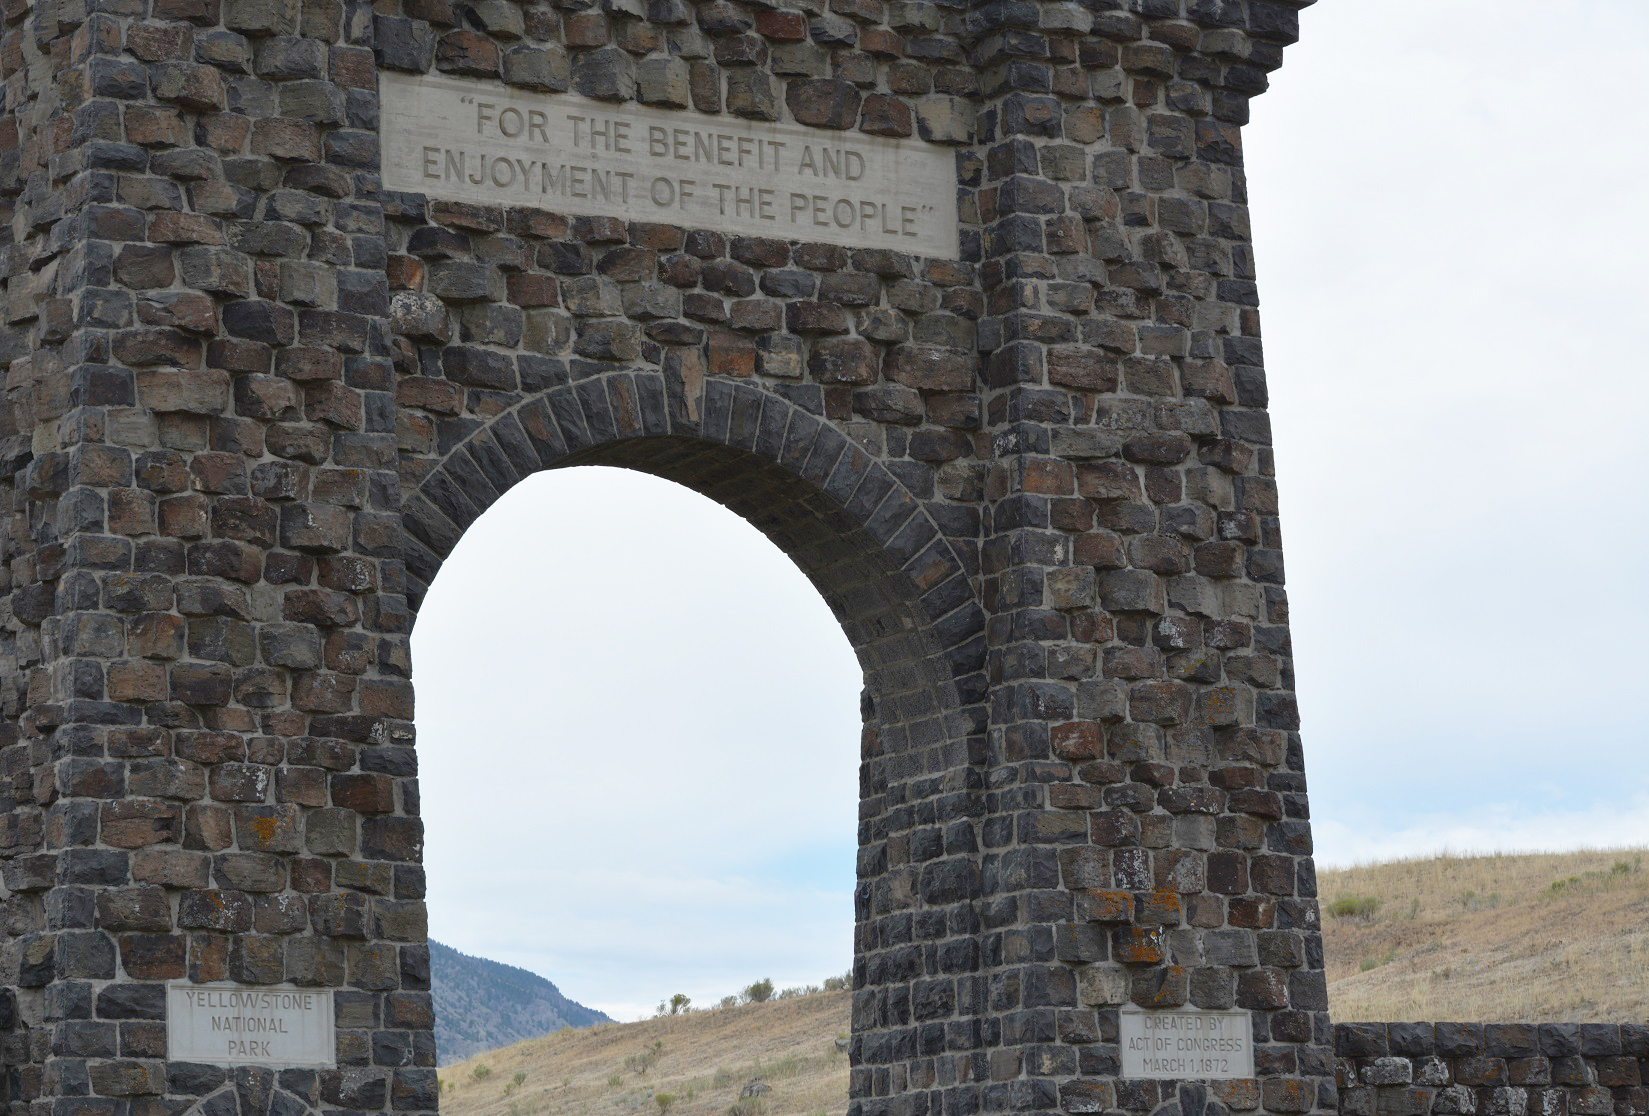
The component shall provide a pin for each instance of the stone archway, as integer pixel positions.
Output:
(899, 589)
(258, 380)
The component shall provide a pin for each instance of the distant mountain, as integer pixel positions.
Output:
(481, 1004)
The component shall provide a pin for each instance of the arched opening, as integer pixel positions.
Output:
(905, 600)
(680, 717)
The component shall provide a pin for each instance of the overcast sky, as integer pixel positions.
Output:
(639, 723)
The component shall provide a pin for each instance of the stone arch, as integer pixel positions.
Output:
(894, 581)
(902, 591)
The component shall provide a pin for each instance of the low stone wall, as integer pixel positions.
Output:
(1492, 1069)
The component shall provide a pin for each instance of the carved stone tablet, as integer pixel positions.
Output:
(1186, 1044)
(236, 1024)
(477, 141)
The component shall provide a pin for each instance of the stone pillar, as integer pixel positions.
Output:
(1146, 830)
(209, 775)
(253, 398)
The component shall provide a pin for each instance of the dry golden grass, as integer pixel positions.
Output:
(703, 1059)
(1558, 937)
(1546, 937)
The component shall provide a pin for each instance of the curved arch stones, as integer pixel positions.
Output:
(253, 398)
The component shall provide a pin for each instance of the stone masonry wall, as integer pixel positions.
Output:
(253, 400)
(1492, 1069)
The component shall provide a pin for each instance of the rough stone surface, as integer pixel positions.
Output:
(252, 401)
(1507, 1069)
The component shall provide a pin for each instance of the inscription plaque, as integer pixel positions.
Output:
(469, 140)
(1186, 1044)
(235, 1024)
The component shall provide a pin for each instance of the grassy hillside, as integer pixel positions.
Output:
(703, 1060)
(1561, 937)
(1555, 937)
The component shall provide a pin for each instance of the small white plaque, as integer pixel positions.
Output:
(1186, 1044)
(245, 1025)
(469, 140)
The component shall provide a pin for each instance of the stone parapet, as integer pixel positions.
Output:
(1492, 1069)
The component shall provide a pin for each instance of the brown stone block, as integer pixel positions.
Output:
(1253, 913)
(173, 868)
(350, 652)
(320, 692)
(471, 52)
(1138, 945)
(156, 42)
(365, 794)
(931, 369)
(1240, 1094)
(399, 921)
(405, 273)
(334, 404)
(782, 26)
(309, 364)
(208, 957)
(157, 345)
(823, 102)
(1074, 796)
(257, 959)
(1285, 1094)
(292, 140)
(1162, 986)
(134, 908)
(303, 786)
(270, 829)
(1100, 905)
(249, 872)
(136, 680)
(127, 1078)
(882, 115)
(201, 684)
(208, 827)
(209, 909)
(409, 1010)
(1100, 549)
(315, 962)
(167, 227)
(430, 394)
(375, 967)
(1228, 872)
(1163, 703)
(731, 354)
(1114, 828)
(309, 875)
(284, 913)
(203, 12)
(1242, 744)
(192, 391)
(154, 956)
(354, 67)
(321, 607)
(307, 442)
(391, 838)
(132, 823)
(1160, 907)
(1082, 368)
(1077, 741)
(143, 266)
(390, 698)
(163, 776)
(188, 84)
